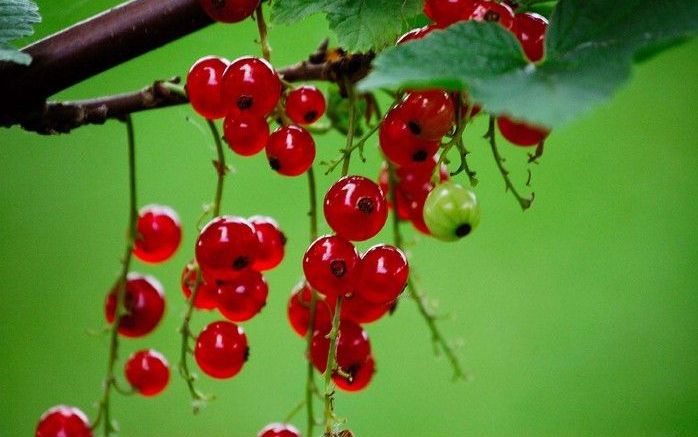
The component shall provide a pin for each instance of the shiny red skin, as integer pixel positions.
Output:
(159, 234)
(353, 346)
(272, 242)
(243, 297)
(361, 376)
(412, 177)
(330, 265)
(305, 104)
(447, 12)
(355, 208)
(298, 311)
(529, 29)
(226, 246)
(204, 84)
(221, 350)
(144, 303)
(521, 134)
(63, 421)
(416, 207)
(207, 294)
(493, 12)
(245, 133)
(399, 144)
(415, 34)
(383, 273)
(251, 85)
(148, 372)
(430, 113)
(229, 11)
(290, 150)
(361, 311)
(402, 201)
(279, 430)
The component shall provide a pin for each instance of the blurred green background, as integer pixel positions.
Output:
(578, 317)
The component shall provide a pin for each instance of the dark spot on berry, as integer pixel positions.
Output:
(244, 102)
(310, 116)
(338, 267)
(241, 262)
(366, 205)
(247, 353)
(274, 164)
(414, 127)
(491, 16)
(463, 230)
(420, 156)
(284, 240)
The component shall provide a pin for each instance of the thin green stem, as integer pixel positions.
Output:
(334, 164)
(312, 212)
(351, 94)
(263, 35)
(331, 364)
(456, 140)
(310, 387)
(295, 411)
(221, 168)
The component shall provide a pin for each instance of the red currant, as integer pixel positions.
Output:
(355, 208)
(279, 430)
(447, 12)
(521, 134)
(493, 12)
(412, 177)
(360, 310)
(221, 349)
(226, 246)
(245, 133)
(402, 201)
(144, 304)
(360, 376)
(204, 87)
(530, 31)
(207, 294)
(382, 275)
(243, 297)
(272, 242)
(399, 144)
(416, 207)
(291, 150)
(415, 34)
(159, 234)
(148, 372)
(63, 421)
(251, 85)
(430, 113)
(330, 265)
(229, 11)
(353, 346)
(304, 105)
(298, 311)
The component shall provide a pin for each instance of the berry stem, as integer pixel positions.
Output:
(525, 203)
(104, 412)
(457, 141)
(351, 95)
(331, 364)
(263, 36)
(312, 212)
(419, 297)
(333, 164)
(221, 168)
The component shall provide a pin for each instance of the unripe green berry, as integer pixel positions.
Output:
(451, 211)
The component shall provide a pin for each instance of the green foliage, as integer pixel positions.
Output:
(360, 25)
(17, 18)
(338, 112)
(590, 48)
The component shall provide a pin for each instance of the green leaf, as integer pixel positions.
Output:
(17, 18)
(360, 25)
(590, 49)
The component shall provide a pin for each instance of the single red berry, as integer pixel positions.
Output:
(226, 246)
(221, 349)
(429, 114)
(242, 298)
(362, 311)
(148, 372)
(290, 150)
(530, 31)
(412, 177)
(493, 12)
(330, 265)
(272, 242)
(63, 421)
(229, 11)
(298, 311)
(144, 305)
(204, 87)
(447, 12)
(415, 34)
(521, 134)
(159, 234)
(353, 346)
(399, 143)
(360, 376)
(304, 105)
(251, 85)
(207, 294)
(279, 430)
(355, 208)
(382, 275)
(245, 133)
